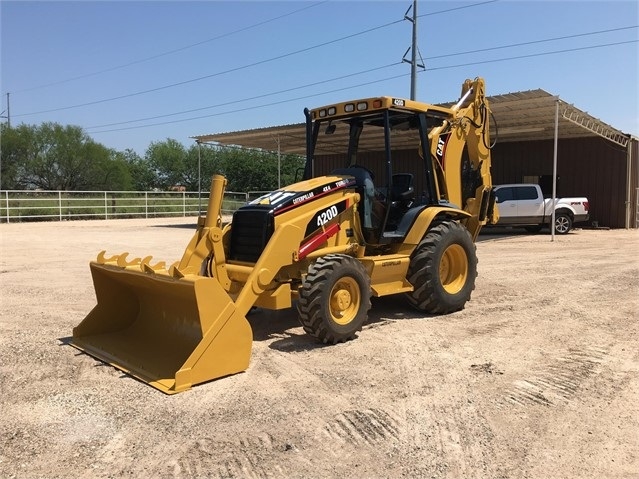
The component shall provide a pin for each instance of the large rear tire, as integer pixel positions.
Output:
(443, 269)
(334, 298)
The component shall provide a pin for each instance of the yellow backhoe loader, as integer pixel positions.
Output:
(378, 223)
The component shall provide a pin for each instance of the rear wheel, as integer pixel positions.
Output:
(563, 223)
(334, 298)
(443, 269)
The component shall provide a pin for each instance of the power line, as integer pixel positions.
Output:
(232, 70)
(531, 55)
(533, 42)
(287, 90)
(239, 110)
(369, 83)
(456, 8)
(305, 50)
(363, 72)
(170, 52)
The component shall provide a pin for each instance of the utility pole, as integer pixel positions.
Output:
(8, 110)
(8, 117)
(414, 51)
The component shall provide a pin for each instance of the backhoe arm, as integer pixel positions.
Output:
(460, 149)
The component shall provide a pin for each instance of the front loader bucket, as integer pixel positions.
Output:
(170, 331)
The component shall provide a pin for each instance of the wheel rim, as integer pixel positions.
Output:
(344, 300)
(561, 225)
(453, 269)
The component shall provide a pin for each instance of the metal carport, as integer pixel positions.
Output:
(521, 117)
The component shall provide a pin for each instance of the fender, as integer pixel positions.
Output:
(425, 219)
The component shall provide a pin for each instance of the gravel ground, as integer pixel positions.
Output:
(538, 377)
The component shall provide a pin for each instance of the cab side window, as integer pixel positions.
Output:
(505, 194)
(526, 193)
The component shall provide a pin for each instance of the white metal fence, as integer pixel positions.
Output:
(31, 205)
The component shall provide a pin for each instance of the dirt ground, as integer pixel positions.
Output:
(538, 377)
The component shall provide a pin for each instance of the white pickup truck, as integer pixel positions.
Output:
(524, 205)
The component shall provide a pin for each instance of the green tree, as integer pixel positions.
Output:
(143, 177)
(247, 170)
(14, 147)
(291, 168)
(207, 161)
(169, 161)
(175, 165)
(108, 171)
(55, 157)
(257, 170)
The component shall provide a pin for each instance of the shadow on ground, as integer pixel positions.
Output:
(285, 328)
(186, 226)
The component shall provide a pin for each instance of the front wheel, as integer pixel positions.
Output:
(563, 223)
(334, 298)
(443, 269)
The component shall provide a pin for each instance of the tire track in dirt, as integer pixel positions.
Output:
(560, 381)
(363, 427)
(222, 459)
(488, 329)
(257, 453)
(428, 430)
(462, 438)
(442, 434)
(343, 429)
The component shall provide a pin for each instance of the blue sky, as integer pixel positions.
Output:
(131, 73)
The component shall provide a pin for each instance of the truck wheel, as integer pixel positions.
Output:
(563, 223)
(443, 269)
(334, 298)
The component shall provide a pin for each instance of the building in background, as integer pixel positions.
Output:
(594, 159)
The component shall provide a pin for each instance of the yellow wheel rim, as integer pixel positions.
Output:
(344, 300)
(453, 269)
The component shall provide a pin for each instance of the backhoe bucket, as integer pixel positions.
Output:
(170, 331)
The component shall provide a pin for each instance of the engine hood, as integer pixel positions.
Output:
(303, 192)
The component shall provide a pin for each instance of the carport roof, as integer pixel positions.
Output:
(520, 116)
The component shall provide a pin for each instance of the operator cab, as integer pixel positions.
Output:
(362, 142)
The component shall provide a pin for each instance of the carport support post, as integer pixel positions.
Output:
(279, 160)
(199, 177)
(554, 171)
(629, 182)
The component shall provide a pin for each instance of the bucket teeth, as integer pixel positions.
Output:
(123, 262)
(144, 264)
(175, 272)
(102, 259)
(147, 267)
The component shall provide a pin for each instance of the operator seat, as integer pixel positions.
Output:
(402, 196)
(402, 189)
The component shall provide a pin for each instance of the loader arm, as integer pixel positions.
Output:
(176, 327)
